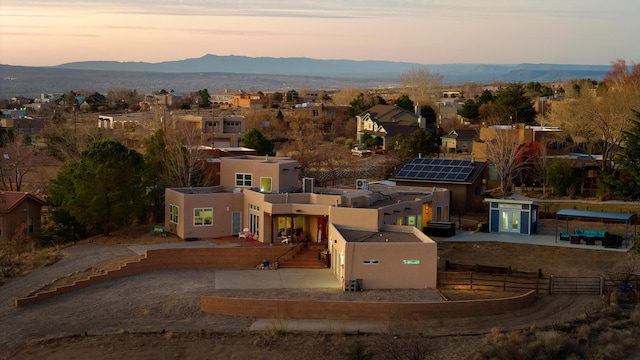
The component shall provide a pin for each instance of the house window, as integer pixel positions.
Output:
(202, 217)
(265, 184)
(371, 262)
(173, 214)
(243, 179)
(254, 219)
(411, 262)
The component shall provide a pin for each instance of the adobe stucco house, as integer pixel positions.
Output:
(264, 195)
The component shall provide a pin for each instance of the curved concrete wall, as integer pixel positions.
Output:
(353, 310)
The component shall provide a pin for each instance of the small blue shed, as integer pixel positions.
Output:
(513, 216)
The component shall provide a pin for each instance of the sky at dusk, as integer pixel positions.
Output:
(44, 33)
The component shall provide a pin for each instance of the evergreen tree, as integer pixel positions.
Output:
(254, 139)
(514, 106)
(104, 188)
(628, 158)
(405, 102)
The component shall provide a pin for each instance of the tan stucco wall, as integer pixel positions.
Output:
(282, 171)
(222, 203)
(390, 273)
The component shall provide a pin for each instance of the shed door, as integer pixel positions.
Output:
(510, 221)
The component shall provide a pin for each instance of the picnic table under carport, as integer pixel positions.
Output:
(627, 218)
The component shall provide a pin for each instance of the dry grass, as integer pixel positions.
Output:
(601, 333)
(15, 264)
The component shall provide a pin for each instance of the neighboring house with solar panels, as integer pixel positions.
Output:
(464, 178)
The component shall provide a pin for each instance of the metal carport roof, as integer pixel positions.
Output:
(596, 214)
(622, 217)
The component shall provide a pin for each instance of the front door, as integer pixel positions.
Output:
(510, 221)
(236, 222)
(322, 229)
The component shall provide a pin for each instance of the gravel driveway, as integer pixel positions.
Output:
(170, 300)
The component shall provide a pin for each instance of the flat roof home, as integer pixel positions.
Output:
(263, 197)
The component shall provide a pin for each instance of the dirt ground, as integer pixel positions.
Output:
(108, 321)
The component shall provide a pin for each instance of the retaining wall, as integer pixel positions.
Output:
(170, 259)
(353, 310)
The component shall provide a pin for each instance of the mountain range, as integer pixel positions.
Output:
(214, 73)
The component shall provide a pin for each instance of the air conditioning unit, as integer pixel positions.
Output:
(362, 184)
(307, 185)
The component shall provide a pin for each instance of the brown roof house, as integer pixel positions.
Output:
(464, 178)
(20, 214)
(372, 231)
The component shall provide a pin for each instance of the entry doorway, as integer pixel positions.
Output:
(510, 221)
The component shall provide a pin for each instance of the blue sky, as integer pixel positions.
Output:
(42, 33)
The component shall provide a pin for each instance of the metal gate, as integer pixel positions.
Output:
(576, 285)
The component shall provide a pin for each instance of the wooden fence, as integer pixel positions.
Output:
(482, 281)
(482, 277)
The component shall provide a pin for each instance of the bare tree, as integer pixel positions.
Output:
(601, 113)
(421, 85)
(16, 163)
(507, 156)
(184, 155)
(304, 136)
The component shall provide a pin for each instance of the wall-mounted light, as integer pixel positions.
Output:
(298, 211)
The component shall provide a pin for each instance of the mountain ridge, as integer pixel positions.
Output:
(305, 66)
(216, 73)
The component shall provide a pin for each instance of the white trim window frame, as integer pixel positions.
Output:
(174, 214)
(244, 180)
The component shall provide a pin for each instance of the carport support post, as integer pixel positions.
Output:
(556, 228)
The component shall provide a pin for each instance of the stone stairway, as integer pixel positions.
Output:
(306, 258)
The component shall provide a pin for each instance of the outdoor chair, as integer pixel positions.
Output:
(244, 233)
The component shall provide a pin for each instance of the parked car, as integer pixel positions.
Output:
(379, 151)
(360, 151)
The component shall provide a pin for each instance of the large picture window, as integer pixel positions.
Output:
(244, 180)
(202, 217)
(173, 214)
(265, 184)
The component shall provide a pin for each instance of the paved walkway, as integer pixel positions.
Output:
(535, 239)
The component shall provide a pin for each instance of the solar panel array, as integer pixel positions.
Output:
(436, 169)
